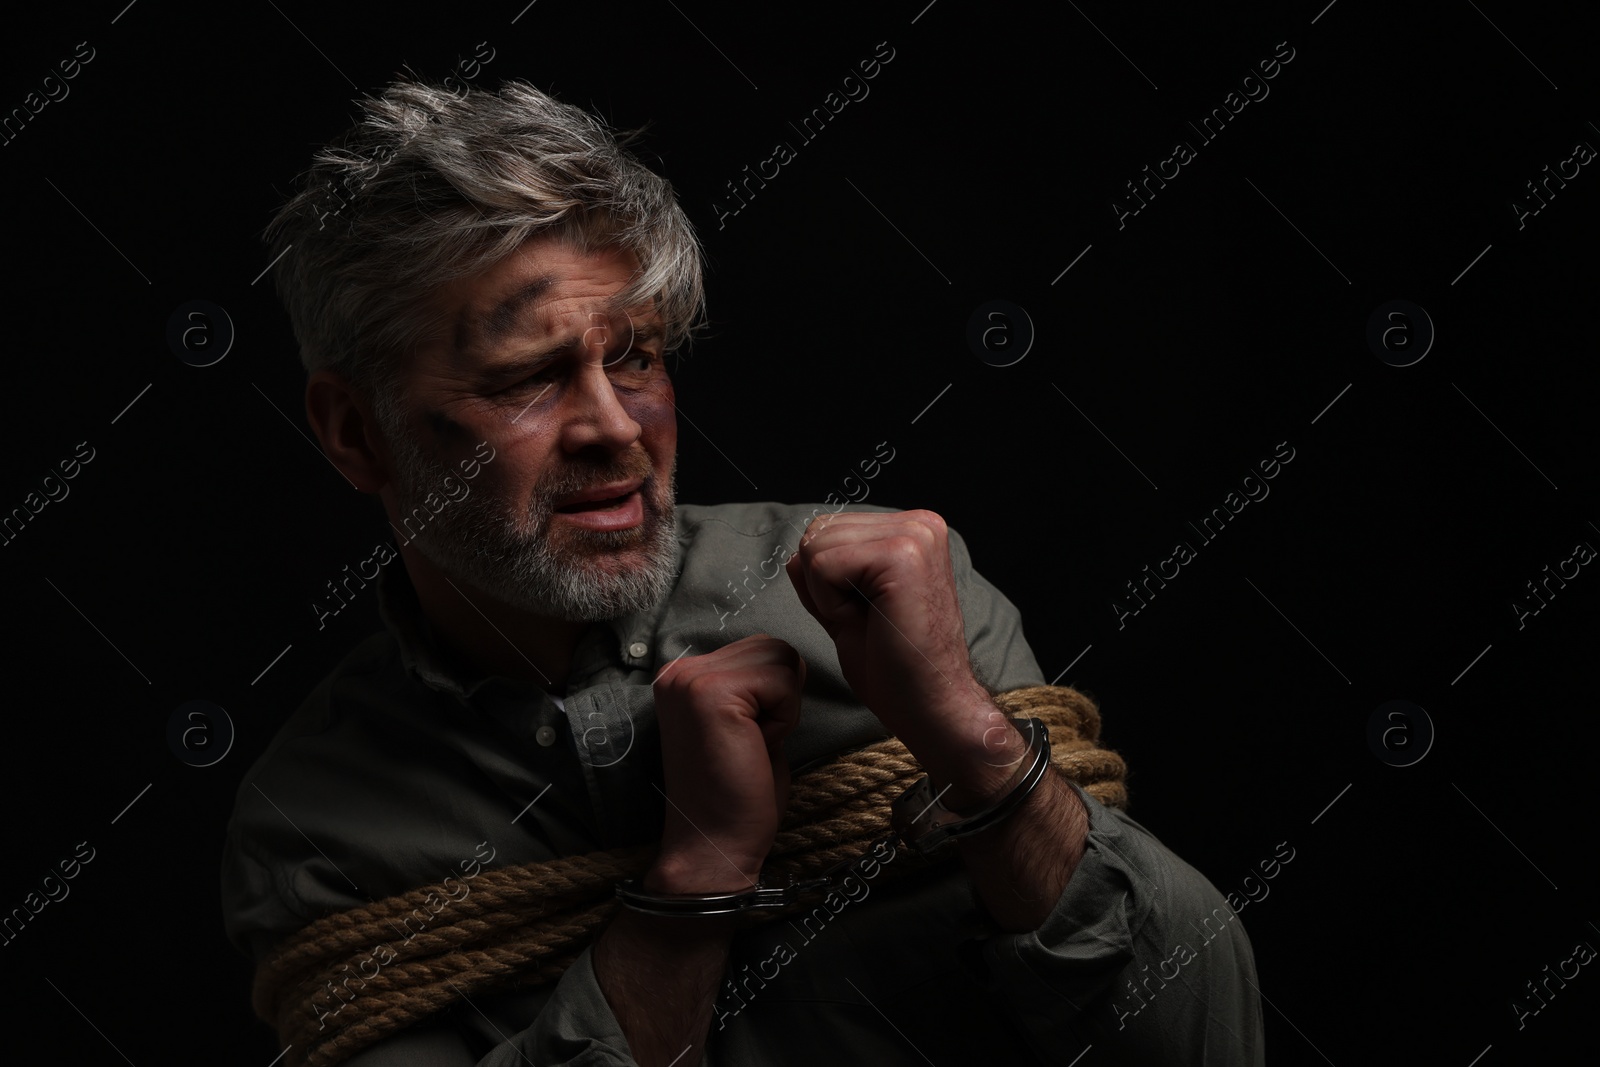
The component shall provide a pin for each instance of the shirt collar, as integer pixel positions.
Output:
(426, 662)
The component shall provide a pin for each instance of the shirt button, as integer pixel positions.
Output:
(545, 735)
(638, 649)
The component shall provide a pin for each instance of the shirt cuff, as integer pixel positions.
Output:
(1087, 937)
(1140, 954)
(576, 1028)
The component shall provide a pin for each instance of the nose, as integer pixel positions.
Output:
(595, 417)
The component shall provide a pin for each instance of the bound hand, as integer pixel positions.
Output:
(723, 717)
(883, 587)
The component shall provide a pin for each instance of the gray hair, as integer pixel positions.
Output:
(432, 185)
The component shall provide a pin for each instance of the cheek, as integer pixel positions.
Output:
(658, 421)
(522, 456)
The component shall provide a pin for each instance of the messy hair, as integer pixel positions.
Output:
(431, 185)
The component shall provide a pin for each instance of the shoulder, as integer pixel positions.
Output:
(355, 759)
(354, 692)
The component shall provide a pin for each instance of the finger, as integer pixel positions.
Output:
(918, 542)
(844, 581)
(832, 593)
(779, 720)
(746, 651)
(796, 569)
(856, 526)
(767, 695)
(754, 651)
(780, 784)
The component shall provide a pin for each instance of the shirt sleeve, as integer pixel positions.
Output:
(1141, 960)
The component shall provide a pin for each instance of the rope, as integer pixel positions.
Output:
(351, 979)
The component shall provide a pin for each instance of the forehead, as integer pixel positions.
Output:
(521, 296)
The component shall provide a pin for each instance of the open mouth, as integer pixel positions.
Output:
(598, 505)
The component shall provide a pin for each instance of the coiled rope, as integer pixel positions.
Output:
(351, 979)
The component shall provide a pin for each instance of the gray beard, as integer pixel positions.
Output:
(589, 576)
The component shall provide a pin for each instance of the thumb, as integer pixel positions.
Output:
(797, 578)
(780, 780)
(834, 598)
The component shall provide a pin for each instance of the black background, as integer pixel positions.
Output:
(1224, 318)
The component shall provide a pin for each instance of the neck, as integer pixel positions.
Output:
(490, 635)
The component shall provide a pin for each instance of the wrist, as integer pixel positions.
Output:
(923, 821)
(980, 761)
(675, 872)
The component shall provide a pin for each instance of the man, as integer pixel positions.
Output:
(572, 662)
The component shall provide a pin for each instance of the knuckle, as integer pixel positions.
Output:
(672, 677)
(905, 547)
(701, 689)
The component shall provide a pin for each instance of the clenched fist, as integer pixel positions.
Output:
(883, 587)
(723, 717)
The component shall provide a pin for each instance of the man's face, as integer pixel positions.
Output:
(573, 517)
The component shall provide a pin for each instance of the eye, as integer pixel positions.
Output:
(539, 379)
(637, 365)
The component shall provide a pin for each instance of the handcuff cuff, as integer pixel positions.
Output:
(917, 819)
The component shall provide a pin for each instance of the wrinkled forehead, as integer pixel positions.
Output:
(544, 290)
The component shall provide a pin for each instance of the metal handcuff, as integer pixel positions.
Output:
(917, 818)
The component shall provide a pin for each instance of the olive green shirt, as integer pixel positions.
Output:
(402, 768)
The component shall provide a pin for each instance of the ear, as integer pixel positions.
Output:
(351, 437)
